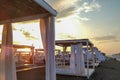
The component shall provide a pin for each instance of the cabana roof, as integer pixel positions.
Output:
(74, 41)
(21, 10)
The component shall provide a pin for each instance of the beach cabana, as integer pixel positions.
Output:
(24, 54)
(12, 11)
(73, 63)
(19, 50)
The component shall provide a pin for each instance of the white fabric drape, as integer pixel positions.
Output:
(48, 39)
(7, 53)
(89, 55)
(72, 58)
(80, 67)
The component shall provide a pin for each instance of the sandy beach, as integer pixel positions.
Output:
(108, 70)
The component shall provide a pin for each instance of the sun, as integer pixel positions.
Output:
(69, 26)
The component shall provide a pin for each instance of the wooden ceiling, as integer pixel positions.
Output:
(11, 9)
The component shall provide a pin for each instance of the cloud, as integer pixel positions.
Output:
(84, 19)
(66, 12)
(66, 8)
(27, 35)
(14, 28)
(87, 7)
(109, 38)
(70, 37)
(60, 5)
(66, 36)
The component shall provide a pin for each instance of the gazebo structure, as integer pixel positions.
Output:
(24, 54)
(12, 11)
(74, 63)
(20, 50)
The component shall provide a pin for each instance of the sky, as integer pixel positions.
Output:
(97, 20)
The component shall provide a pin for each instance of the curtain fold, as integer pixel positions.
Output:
(7, 52)
(80, 59)
(72, 58)
(48, 40)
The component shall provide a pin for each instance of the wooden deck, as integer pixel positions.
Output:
(70, 72)
(39, 74)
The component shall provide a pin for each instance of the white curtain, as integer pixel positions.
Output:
(72, 58)
(48, 39)
(7, 54)
(80, 60)
(89, 55)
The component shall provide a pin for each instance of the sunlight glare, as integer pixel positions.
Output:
(69, 26)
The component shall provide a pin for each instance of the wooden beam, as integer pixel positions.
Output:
(33, 17)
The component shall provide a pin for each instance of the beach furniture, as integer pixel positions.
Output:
(72, 61)
(12, 11)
